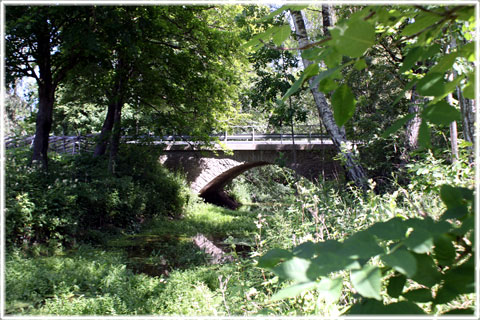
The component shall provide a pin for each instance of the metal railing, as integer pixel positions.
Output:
(247, 134)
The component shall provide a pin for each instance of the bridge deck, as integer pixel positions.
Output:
(254, 145)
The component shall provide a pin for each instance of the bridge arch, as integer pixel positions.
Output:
(220, 181)
(209, 171)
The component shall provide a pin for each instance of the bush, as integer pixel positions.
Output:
(78, 195)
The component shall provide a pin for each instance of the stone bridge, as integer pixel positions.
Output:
(208, 171)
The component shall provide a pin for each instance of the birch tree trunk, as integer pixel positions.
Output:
(354, 170)
(412, 127)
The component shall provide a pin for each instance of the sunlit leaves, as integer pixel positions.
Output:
(273, 257)
(422, 21)
(309, 72)
(343, 104)
(278, 34)
(433, 84)
(367, 281)
(361, 245)
(393, 229)
(441, 113)
(402, 261)
(354, 38)
(419, 241)
(294, 269)
(281, 34)
(330, 289)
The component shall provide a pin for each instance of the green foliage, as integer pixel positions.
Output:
(431, 253)
(343, 104)
(78, 195)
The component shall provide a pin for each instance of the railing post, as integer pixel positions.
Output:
(253, 134)
(225, 136)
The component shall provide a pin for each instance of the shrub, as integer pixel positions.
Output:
(78, 195)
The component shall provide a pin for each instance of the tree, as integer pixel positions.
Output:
(45, 43)
(445, 266)
(175, 66)
(348, 44)
(336, 132)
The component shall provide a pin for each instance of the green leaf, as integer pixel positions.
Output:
(432, 84)
(430, 51)
(468, 51)
(403, 307)
(419, 295)
(397, 125)
(449, 88)
(427, 223)
(273, 257)
(305, 250)
(467, 225)
(281, 35)
(424, 135)
(402, 261)
(445, 63)
(444, 250)
(332, 246)
(361, 245)
(427, 273)
(360, 64)
(469, 90)
(393, 229)
(330, 289)
(451, 196)
(294, 290)
(331, 57)
(456, 281)
(330, 262)
(455, 213)
(459, 311)
(395, 285)
(367, 281)
(371, 307)
(327, 85)
(441, 113)
(309, 72)
(422, 21)
(420, 241)
(353, 39)
(343, 103)
(311, 54)
(411, 58)
(325, 75)
(367, 306)
(294, 269)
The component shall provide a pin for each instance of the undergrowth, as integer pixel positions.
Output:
(116, 276)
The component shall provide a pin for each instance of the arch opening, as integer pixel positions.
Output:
(213, 192)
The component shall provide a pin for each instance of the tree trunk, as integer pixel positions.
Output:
(354, 170)
(46, 99)
(111, 125)
(104, 136)
(412, 127)
(43, 124)
(115, 137)
(328, 18)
